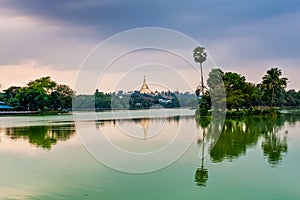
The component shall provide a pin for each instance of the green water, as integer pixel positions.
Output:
(43, 158)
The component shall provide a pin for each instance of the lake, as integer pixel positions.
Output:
(152, 155)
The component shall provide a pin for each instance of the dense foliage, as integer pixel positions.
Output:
(134, 100)
(271, 92)
(226, 90)
(42, 94)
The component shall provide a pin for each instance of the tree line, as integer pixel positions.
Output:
(230, 90)
(270, 92)
(42, 94)
(134, 100)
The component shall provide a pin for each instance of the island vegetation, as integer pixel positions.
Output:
(243, 97)
(231, 91)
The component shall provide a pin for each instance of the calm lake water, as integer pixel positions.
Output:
(42, 157)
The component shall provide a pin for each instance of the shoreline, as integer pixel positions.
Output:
(18, 112)
(266, 113)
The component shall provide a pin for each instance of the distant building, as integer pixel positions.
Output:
(3, 106)
(145, 88)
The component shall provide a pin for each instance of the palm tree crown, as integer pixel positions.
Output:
(272, 81)
(200, 56)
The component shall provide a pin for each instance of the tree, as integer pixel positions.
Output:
(61, 97)
(252, 95)
(235, 85)
(36, 96)
(40, 94)
(102, 101)
(200, 55)
(10, 96)
(292, 98)
(44, 83)
(217, 91)
(272, 83)
(11, 92)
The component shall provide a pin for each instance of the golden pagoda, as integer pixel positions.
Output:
(145, 88)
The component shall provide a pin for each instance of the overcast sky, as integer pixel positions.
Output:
(40, 37)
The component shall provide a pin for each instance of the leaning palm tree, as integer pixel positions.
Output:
(200, 55)
(272, 81)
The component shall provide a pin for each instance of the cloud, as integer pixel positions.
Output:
(100, 14)
(238, 34)
(252, 48)
(117, 15)
(203, 20)
(26, 38)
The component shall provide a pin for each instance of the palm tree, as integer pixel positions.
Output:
(200, 55)
(272, 81)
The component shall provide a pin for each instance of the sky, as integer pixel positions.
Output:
(40, 38)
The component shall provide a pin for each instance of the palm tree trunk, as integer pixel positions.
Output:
(202, 82)
(273, 93)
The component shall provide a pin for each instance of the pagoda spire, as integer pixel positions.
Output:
(145, 88)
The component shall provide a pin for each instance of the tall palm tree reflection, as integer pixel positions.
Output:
(274, 146)
(201, 175)
(237, 137)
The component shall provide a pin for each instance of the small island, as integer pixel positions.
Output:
(231, 92)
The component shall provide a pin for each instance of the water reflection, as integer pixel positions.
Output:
(274, 146)
(201, 175)
(144, 124)
(42, 136)
(45, 136)
(238, 136)
(135, 125)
